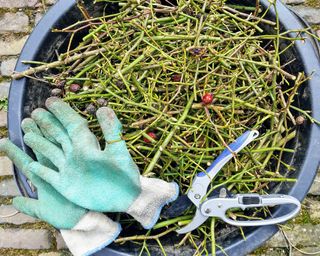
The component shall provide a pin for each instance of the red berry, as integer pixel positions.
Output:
(152, 135)
(176, 78)
(75, 87)
(207, 98)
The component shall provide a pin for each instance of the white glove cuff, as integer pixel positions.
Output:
(92, 233)
(155, 193)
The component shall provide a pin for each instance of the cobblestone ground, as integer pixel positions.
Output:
(23, 235)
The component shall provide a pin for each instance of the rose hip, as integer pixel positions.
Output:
(176, 78)
(207, 98)
(75, 87)
(152, 135)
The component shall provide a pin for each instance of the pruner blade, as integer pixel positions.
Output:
(197, 221)
(201, 182)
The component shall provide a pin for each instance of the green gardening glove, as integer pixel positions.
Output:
(84, 232)
(105, 180)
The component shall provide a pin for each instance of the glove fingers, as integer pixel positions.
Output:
(29, 126)
(110, 124)
(76, 126)
(39, 144)
(26, 205)
(45, 161)
(50, 176)
(51, 128)
(20, 159)
(17, 156)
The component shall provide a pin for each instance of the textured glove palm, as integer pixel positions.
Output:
(102, 180)
(78, 226)
(50, 205)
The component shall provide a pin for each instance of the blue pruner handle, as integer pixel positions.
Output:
(203, 179)
(232, 148)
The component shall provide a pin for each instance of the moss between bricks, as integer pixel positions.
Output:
(313, 3)
(6, 177)
(275, 251)
(259, 251)
(24, 252)
(3, 132)
(16, 35)
(36, 225)
(15, 10)
(3, 79)
(303, 246)
(31, 14)
(302, 218)
(316, 198)
(314, 221)
(2, 154)
(315, 27)
(5, 200)
(4, 11)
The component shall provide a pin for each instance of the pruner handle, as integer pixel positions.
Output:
(218, 207)
(203, 179)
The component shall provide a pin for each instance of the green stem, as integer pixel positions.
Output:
(169, 136)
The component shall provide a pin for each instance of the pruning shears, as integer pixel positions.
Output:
(217, 205)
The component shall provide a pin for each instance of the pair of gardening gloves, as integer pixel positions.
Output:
(76, 180)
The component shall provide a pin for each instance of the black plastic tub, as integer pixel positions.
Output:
(26, 95)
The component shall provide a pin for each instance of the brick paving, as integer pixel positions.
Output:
(23, 235)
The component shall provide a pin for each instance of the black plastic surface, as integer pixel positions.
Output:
(25, 95)
(248, 200)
